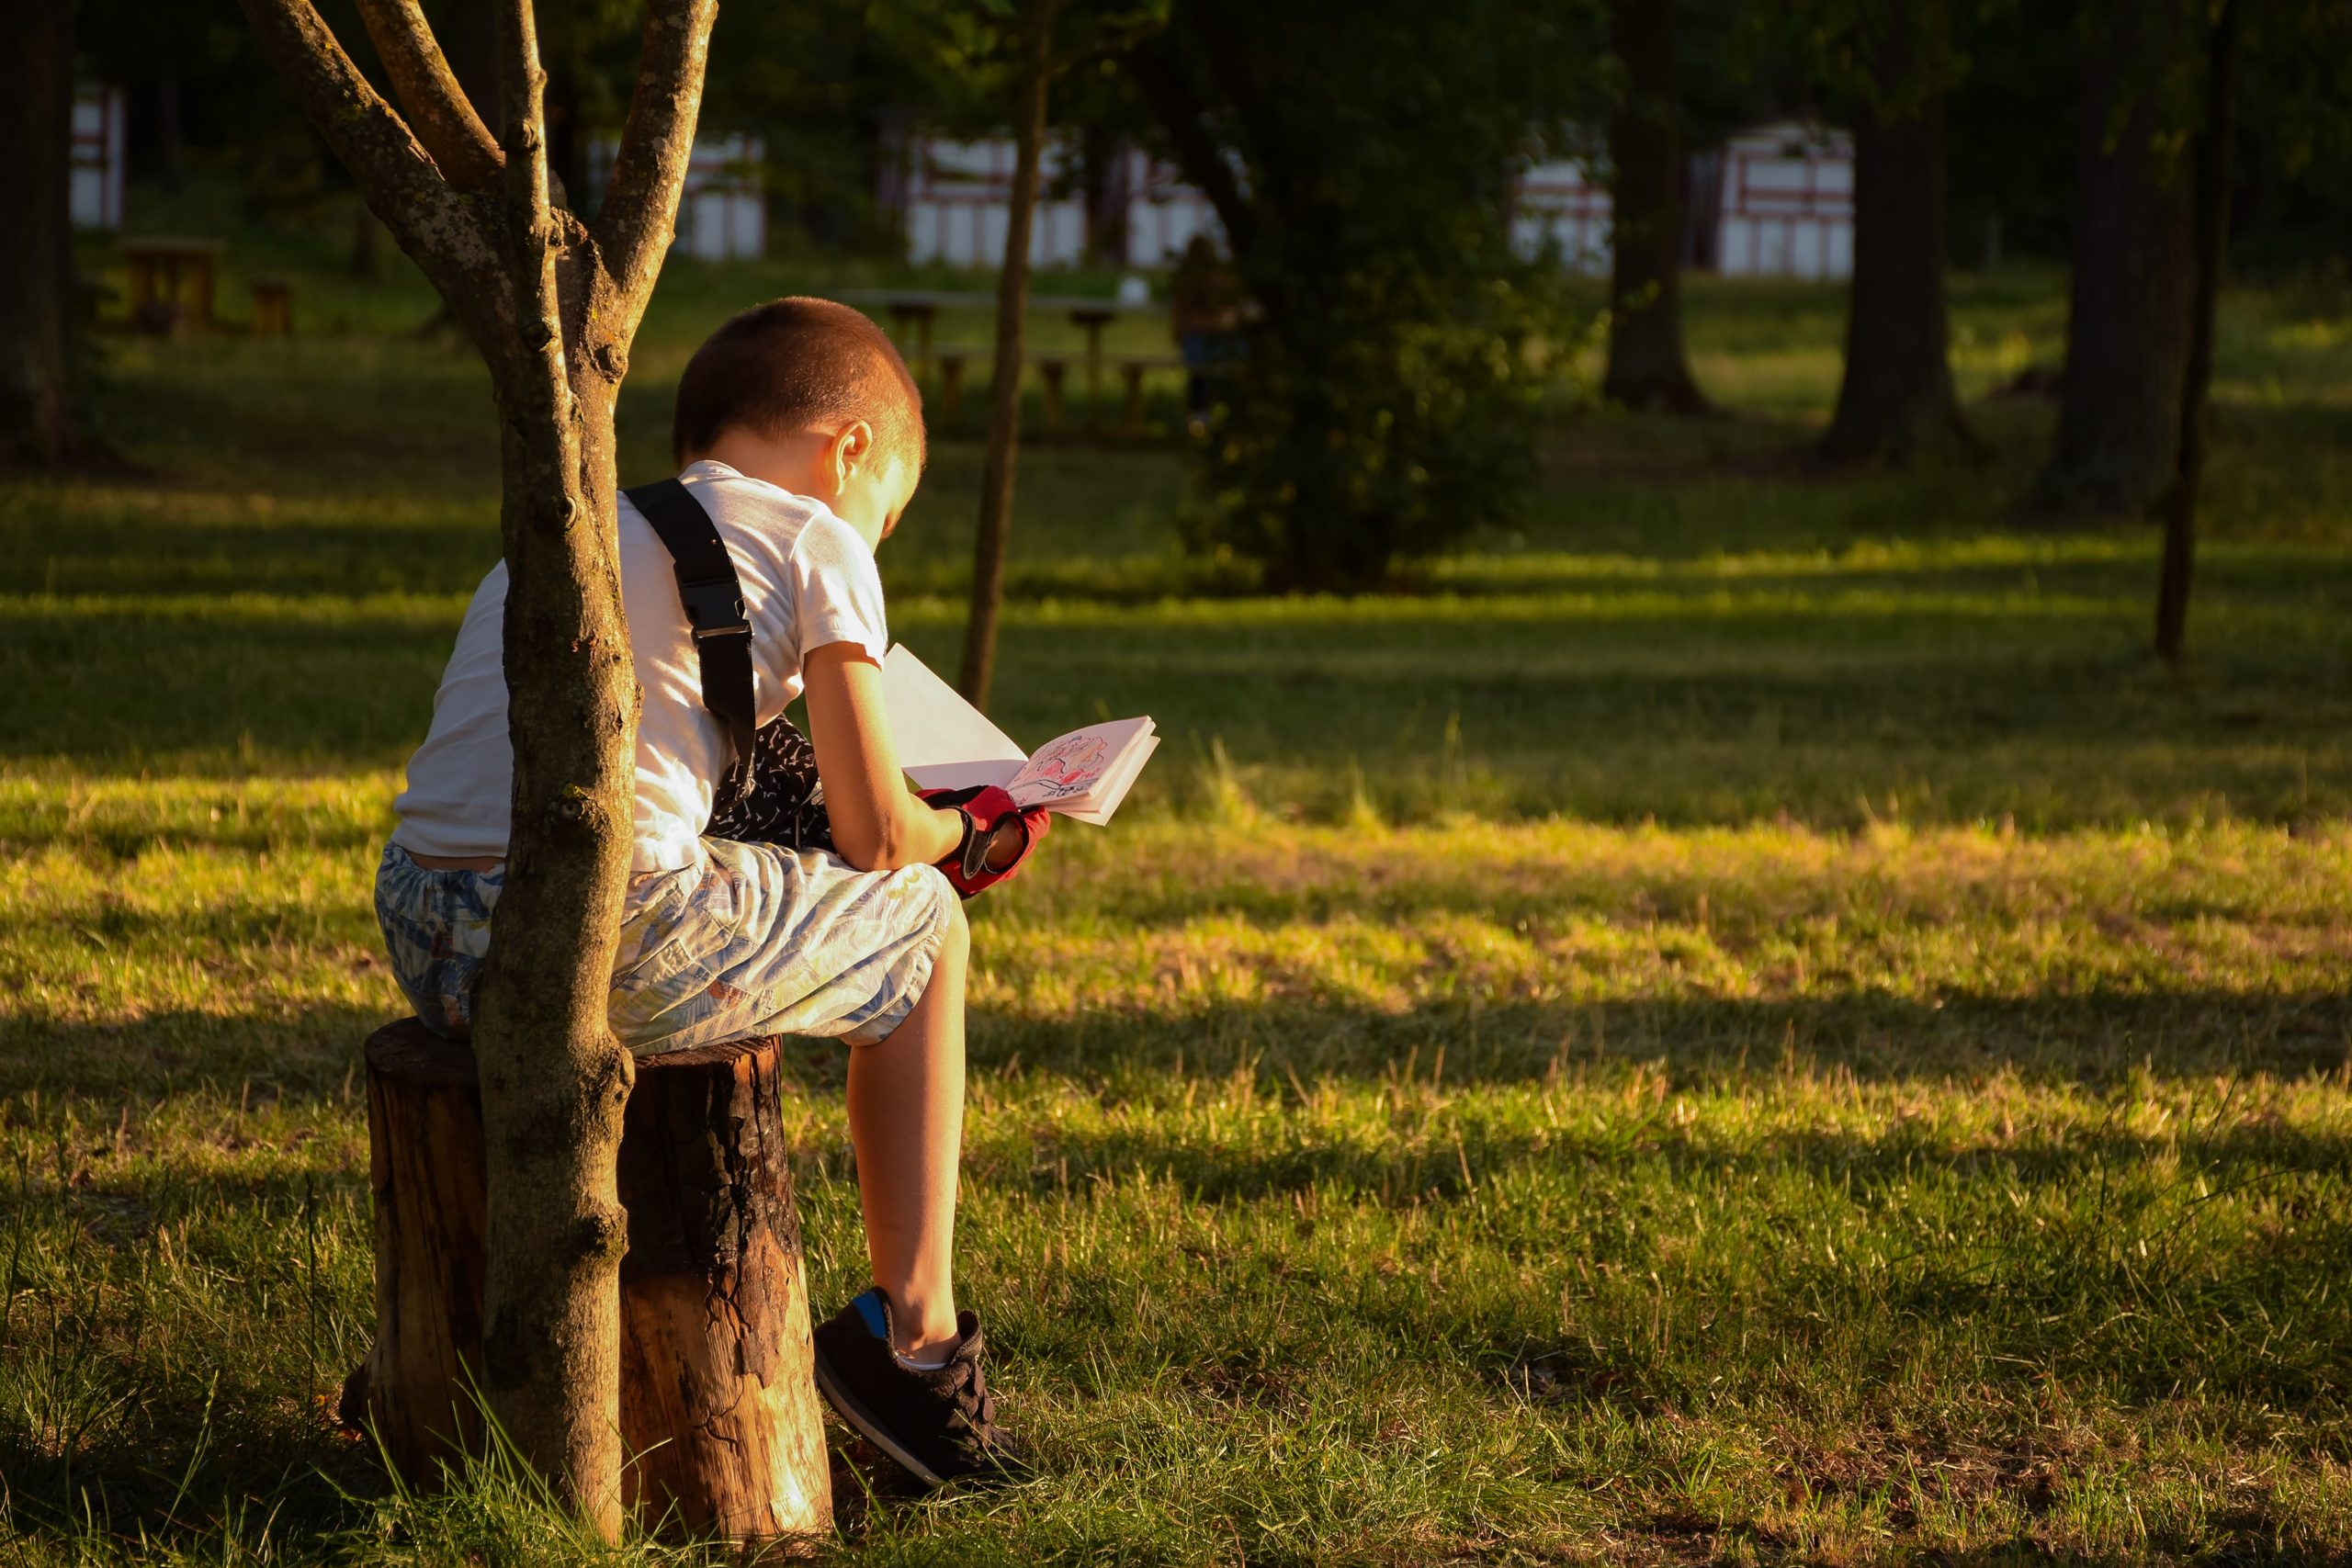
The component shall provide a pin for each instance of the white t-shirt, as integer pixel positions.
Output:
(809, 580)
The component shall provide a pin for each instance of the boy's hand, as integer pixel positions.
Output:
(997, 835)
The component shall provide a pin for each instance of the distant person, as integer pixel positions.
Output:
(799, 438)
(1206, 315)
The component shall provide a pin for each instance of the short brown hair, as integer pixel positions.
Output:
(790, 364)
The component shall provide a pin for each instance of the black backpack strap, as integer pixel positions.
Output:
(713, 596)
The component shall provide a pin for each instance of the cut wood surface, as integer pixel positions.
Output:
(719, 1413)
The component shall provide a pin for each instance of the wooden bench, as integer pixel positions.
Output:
(718, 1410)
(1132, 367)
(160, 266)
(1052, 371)
(273, 307)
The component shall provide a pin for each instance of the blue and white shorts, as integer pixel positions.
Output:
(756, 939)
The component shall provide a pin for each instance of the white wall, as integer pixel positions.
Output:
(94, 184)
(1786, 207)
(1782, 197)
(959, 204)
(1557, 204)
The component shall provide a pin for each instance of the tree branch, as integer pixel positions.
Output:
(531, 238)
(640, 207)
(444, 233)
(437, 107)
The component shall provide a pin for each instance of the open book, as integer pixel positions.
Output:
(946, 743)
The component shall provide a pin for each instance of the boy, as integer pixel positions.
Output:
(799, 432)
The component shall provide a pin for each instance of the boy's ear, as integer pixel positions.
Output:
(851, 450)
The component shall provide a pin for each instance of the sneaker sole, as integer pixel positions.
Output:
(846, 1407)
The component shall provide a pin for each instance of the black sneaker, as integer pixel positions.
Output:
(939, 1425)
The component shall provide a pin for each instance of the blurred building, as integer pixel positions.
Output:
(1561, 208)
(723, 210)
(95, 184)
(954, 200)
(1774, 201)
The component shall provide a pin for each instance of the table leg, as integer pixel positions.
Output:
(1051, 370)
(1134, 374)
(951, 391)
(1093, 374)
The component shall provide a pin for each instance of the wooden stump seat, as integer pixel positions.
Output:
(718, 1410)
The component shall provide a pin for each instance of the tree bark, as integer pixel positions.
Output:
(2212, 206)
(553, 308)
(718, 1404)
(1896, 399)
(1647, 368)
(37, 305)
(1004, 386)
(171, 143)
(2127, 325)
(437, 108)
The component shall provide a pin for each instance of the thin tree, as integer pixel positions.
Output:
(552, 304)
(37, 306)
(2213, 199)
(995, 531)
(1647, 368)
(2128, 315)
(1896, 399)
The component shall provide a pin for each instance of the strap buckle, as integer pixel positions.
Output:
(714, 608)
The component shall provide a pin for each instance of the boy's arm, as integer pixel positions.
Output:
(877, 824)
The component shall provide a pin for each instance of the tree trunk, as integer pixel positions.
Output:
(37, 305)
(171, 143)
(1896, 399)
(1648, 368)
(2213, 206)
(553, 307)
(1004, 386)
(718, 1404)
(2127, 325)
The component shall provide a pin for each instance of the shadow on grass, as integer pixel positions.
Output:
(2096, 1039)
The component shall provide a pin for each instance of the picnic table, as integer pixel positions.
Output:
(158, 265)
(914, 311)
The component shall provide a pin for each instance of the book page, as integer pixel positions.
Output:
(944, 742)
(1069, 771)
(1113, 791)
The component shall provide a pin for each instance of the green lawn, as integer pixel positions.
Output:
(1745, 1019)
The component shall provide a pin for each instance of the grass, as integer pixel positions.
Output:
(1744, 1021)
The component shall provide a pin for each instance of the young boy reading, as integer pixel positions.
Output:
(800, 435)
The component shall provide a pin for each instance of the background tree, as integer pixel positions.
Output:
(552, 304)
(2212, 217)
(1647, 368)
(1036, 33)
(1385, 404)
(2128, 314)
(1896, 62)
(37, 305)
(980, 58)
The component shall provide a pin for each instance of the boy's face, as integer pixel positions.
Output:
(870, 481)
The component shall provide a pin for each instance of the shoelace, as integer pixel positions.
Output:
(974, 1400)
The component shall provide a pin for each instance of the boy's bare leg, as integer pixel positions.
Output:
(906, 1122)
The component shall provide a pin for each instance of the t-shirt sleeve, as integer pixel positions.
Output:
(837, 593)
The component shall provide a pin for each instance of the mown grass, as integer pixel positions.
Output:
(1744, 1021)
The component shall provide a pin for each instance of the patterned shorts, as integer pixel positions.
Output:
(757, 940)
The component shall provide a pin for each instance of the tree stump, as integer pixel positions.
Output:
(718, 1413)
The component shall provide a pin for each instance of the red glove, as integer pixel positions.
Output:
(985, 808)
